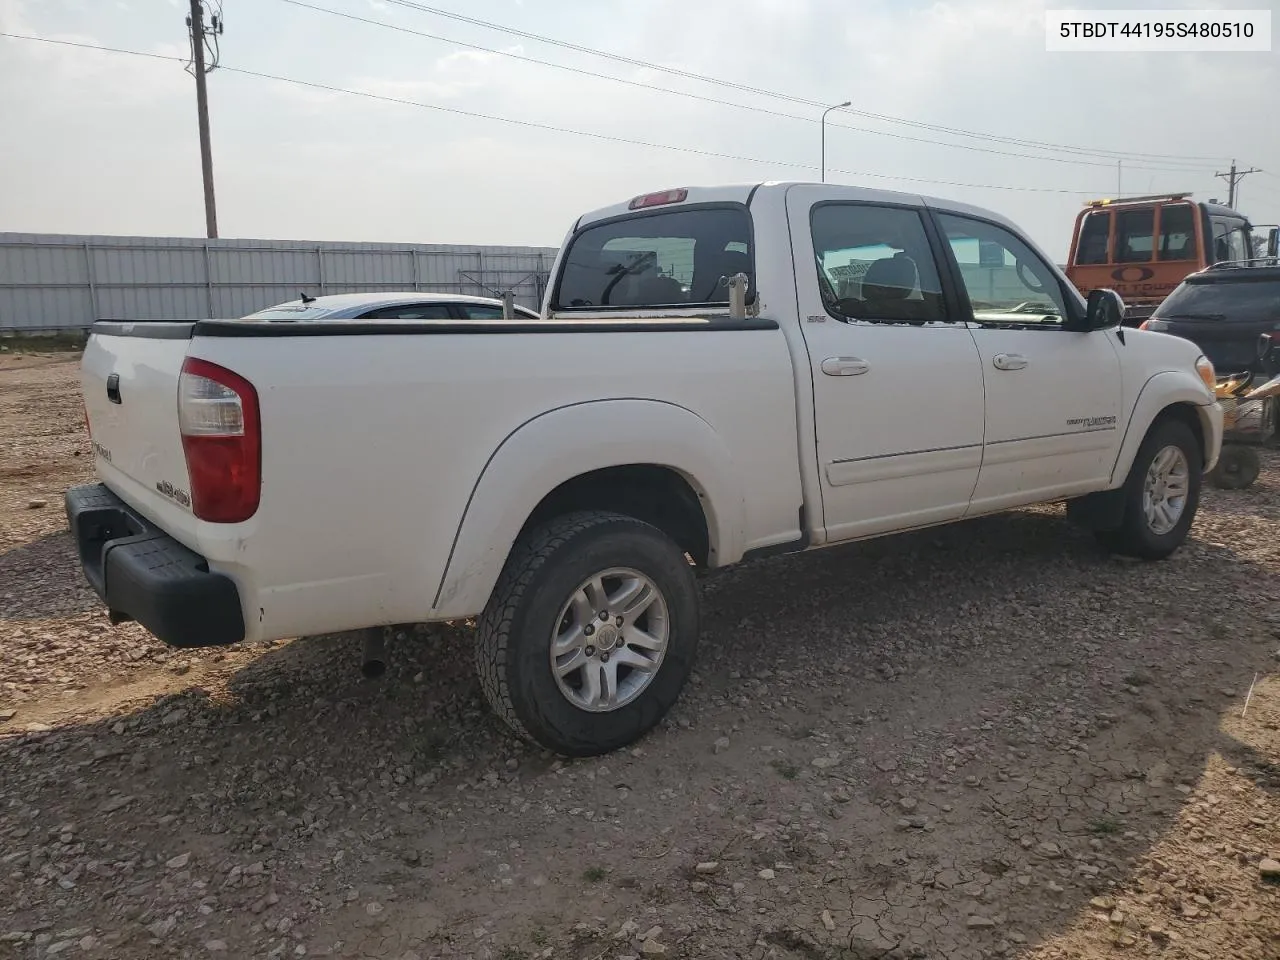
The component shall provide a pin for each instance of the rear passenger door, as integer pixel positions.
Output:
(897, 382)
(1052, 394)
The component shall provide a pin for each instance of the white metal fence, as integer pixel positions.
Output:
(55, 282)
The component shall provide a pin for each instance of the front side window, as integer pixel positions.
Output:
(1133, 235)
(874, 263)
(1013, 287)
(675, 258)
(1237, 244)
(1178, 232)
(1094, 234)
(1229, 240)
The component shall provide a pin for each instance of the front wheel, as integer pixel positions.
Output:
(590, 633)
(1161, 494)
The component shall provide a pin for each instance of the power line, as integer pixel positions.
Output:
(1181, 168)
(760, 91)
(531, 124)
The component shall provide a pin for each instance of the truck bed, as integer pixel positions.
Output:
(376, 437)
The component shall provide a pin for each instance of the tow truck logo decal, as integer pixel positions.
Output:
(1132, 274)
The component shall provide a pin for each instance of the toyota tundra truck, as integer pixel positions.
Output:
(717, 374)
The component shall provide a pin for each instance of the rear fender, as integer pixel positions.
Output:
(1162, 391)
(571, 441)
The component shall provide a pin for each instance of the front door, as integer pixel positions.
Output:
(897, 381)
(1052, 395)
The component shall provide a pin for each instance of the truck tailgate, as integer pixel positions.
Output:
(130, 386)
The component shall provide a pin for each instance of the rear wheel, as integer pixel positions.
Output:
(1161, 494)
(590, 634)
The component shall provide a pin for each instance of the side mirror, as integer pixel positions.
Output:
(1273, 242)
(1105, 309)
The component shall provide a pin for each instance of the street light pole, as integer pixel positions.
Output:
(823, 124)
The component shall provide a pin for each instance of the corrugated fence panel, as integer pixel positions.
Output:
(60, 282)
(368, 267)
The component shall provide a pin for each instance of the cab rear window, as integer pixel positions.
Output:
(672, 258)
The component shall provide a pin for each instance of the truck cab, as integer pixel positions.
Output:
(1143, 247)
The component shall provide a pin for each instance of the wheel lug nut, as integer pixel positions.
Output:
(619, 621)
(604, 658)
(604, 614)
(591, 651)
(589, 629)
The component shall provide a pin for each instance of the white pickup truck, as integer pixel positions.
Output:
(718, 374)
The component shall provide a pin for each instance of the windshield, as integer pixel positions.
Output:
(1245, 300)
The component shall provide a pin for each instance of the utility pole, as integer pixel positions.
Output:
(1119, 176)
(204, 39)
(1233, 177)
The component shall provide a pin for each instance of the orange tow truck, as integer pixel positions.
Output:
(1143, 247)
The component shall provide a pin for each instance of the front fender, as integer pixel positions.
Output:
(1164, 390)
(568, 442)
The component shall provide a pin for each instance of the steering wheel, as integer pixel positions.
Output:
(1033, 285)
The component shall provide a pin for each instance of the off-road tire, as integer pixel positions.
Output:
(514, 633)
(1134, 537)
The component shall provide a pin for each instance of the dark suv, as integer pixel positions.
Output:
(1223, 310)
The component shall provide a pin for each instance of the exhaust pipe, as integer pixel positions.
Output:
(374, 662)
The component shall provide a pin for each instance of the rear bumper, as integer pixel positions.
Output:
(143, 574)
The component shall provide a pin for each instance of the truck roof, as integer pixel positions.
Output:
(742, 192)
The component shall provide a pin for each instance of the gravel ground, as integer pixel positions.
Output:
(990, 740)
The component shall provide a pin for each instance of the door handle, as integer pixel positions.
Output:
(1009, 361)
(844, 366)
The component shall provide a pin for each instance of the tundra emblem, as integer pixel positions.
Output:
(1092, 423)
(173, 493)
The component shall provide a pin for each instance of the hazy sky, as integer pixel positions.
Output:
(96, 142)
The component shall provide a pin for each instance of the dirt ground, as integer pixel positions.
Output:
(990, 740)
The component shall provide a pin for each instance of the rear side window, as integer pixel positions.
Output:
(1133, 236)
(874, 263)
(675, 258)
(1242, 300)
(410, 311)
(1177, 232)
(480, 311)
(1094, 234)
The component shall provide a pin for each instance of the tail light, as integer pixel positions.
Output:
(1144, 325)
(222, 440)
